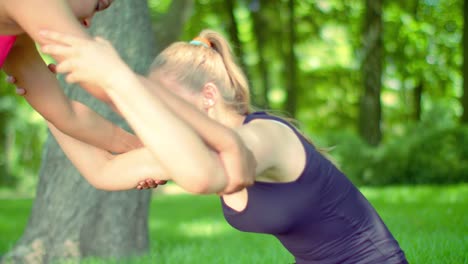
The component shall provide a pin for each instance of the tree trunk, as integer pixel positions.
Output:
(418, 90)
(236, 45)
(177, 15)
(291, 64)
(464, 100)
(259, 26)
(370, 106)
(70, 219)
(234, 32)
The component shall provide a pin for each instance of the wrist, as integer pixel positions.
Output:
(118, 77)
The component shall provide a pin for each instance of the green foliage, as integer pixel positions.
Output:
(427, 222)
(23, 133)
(423, 154)
(422, 49)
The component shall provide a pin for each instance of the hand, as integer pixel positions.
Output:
(150, 183)
(87, 61)
(22, 91)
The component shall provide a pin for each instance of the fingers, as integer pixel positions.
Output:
(72, 78)
(150, 183)
(52, 68)
(160, 182)
(10, 79)
(20, 91)
(59, 38)
(57, 50)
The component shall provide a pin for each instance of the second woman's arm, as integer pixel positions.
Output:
(47, 97)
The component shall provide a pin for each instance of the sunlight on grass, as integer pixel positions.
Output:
(411, 194)
(429, 222)
(203, 229)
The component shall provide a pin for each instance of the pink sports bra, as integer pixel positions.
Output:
(6, 42)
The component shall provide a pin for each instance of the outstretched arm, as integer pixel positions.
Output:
(172, 141)
(106, 171)
(117, 172)
(35, 15)
(47, 97)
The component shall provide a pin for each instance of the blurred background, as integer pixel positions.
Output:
(383, 85)
(379, 83)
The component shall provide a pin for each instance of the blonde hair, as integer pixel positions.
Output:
(197, 63)
(209, 58)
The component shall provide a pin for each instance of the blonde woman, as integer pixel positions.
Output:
(192, 113)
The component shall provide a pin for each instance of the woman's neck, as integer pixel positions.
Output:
(230, 118)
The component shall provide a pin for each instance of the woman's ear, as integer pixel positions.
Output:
(210, 94)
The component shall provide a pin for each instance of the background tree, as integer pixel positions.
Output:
(174, 18)
(422, 87)
(370, 114)
(260, 30)
(465, 63)
(69, 218)
(292, 86)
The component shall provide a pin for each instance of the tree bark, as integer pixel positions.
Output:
(237, 47)
(70, 219)
(175, 18)
(370, 106)
(417, 97)
(291, 63)
(234, 32)
(260, 25)
(464, 100)
(419, 88)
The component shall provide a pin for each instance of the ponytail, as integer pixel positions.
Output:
(207, 58)
(237, 79)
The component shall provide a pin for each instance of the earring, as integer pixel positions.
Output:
(208, 102)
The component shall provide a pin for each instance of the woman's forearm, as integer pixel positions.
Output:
(88, 126)
(182, 152)
(105, 171)
(46, 96)
(216, 135)
(238, 161)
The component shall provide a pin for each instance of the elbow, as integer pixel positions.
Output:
(102, 186)
(206, 181)
(99, 185)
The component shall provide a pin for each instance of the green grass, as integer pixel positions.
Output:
(430, 223)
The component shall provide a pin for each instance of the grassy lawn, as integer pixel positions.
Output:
(431, 224)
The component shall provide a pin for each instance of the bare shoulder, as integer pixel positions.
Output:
(276, 147)
(268, 130)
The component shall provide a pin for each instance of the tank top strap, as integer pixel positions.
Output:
(265, 115)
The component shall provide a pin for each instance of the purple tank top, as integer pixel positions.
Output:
(320, 218)
(6, 43)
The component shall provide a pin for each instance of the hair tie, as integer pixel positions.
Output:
(201, 41)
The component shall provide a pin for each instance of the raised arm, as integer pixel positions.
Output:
(35, 15)
(47, 97)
